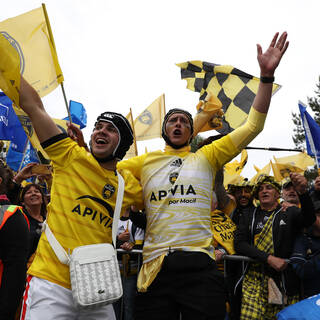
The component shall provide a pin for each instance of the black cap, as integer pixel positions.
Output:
(125, 132)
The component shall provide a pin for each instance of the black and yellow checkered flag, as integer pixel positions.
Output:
(234, 88)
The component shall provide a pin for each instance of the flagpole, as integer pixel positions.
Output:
(54, 47)
(273, 149)
(134, 133)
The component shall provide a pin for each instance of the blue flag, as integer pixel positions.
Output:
(10, 126)
(312, 133)
(307, 309)
(15, 159)
(78, 114)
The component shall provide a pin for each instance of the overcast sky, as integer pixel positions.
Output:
(120, 54)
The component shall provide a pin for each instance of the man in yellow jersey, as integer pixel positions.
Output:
(83, 196)
(179, 275)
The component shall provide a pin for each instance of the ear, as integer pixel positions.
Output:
(1, 180)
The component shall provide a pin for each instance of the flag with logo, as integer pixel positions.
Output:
(132, 152)
(10, 126)
(148, 124)
(312, 133)
(300, 160)
(28, 49)
(234, 88)
(283, 170)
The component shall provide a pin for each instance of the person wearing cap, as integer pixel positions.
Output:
(306, 256)
(242, 193)
(267, 234)
(83, 198)
(289, 194)
(179, 274)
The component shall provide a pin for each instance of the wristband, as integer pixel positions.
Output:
(267, 79)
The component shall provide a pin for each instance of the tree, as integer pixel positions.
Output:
(195, 142)
(298, 136)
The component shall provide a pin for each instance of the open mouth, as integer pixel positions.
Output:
(101, 141)
(177, 132)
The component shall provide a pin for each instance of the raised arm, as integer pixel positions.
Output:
(31, 104)
(268, 62)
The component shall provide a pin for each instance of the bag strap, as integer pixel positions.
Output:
(59, 251)
(117, 209)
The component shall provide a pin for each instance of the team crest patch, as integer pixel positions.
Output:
(16, 45)
(146, 117)
(173, 177)
(108, 191)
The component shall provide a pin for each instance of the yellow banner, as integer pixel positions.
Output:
(301, 160)
(132, 152)
(38, 62)
(223, 229)
(265, 170)
(283, 170)
(148, 124)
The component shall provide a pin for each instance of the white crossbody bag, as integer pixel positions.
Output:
(94, 270)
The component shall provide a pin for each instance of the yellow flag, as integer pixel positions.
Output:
(282, 170)
(234, 88)
(9, 70)
(300, 160)
(37, 60)
(209, 115)
(148, 124)
(235, 167)
(132, 152)
(30, 132)
(235, 179)
(265, 170)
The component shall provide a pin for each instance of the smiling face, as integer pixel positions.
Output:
(178, 129)
(290, 195)
(32, 197)
(268, 196)
(104, 139)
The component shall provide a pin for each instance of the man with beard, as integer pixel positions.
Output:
(179, 274)
(243, 197)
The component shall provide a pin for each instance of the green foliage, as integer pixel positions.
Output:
(195, 142)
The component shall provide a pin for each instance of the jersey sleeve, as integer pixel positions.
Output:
(225, 149)
(61, 150)
(134, 165)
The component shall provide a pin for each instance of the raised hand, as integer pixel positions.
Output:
(76, 135)
(270, 59)
(299, 182)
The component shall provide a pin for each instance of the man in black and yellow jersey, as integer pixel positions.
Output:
(83, 196)
(179, 275)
